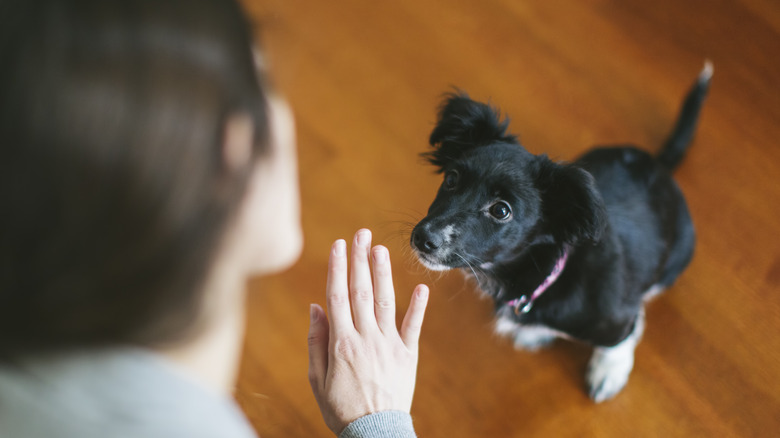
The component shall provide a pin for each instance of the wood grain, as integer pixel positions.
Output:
(365, 78)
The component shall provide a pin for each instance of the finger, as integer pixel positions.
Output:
(318, 348)
(412, 325)
(360, 287)
(337, 291)
(384, 294)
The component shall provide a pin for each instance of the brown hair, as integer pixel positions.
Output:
(114, 194)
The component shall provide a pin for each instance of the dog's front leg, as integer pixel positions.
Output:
(610, 367)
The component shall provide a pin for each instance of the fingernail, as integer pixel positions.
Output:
(340, 248)
(313, 313)
(364, 238)
(423, 292)
(380, 255)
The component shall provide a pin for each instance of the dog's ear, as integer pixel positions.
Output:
(464, 124)
(572, 207)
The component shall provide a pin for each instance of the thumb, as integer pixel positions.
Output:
(318, 347)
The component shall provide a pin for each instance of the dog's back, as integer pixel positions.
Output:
(646, 209)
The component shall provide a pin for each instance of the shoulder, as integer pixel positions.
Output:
(129, 391)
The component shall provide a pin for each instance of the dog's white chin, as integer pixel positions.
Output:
(432, 265)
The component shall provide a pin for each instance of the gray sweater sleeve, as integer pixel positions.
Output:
(385, 424)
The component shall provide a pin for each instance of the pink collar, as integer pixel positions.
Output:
(524, 304)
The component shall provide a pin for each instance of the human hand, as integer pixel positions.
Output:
(363, 365)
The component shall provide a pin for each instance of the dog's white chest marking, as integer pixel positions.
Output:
(525, 337)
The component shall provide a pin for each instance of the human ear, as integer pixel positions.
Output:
(238, 135)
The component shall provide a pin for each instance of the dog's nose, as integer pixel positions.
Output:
(425, 241)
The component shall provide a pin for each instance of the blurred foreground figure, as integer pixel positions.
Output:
(146, 171)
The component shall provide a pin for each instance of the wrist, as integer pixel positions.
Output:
(384, 424)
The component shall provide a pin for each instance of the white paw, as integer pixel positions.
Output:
(608, 372)
(610, 367)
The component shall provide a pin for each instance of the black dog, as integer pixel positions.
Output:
(565, 250)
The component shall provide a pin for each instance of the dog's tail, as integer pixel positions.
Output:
(674, 149)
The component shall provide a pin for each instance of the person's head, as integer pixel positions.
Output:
(136, 142)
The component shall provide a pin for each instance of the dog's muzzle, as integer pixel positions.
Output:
(426, 242)
(431, 247)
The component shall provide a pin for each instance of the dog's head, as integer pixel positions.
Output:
(497, 199)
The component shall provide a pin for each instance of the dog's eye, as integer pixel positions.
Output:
(500, 210)
(451, 180)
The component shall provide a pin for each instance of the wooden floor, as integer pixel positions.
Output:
(365, 77)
